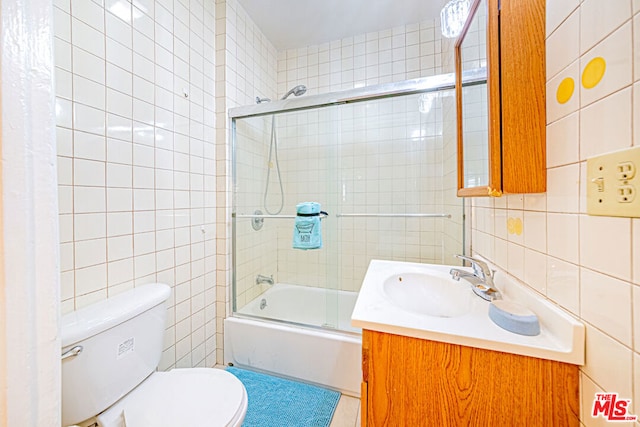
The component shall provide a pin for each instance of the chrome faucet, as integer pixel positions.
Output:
(264, 279)
(481, 279)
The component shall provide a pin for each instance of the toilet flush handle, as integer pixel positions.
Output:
(72, 352)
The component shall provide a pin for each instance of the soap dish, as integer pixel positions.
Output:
(514, 317)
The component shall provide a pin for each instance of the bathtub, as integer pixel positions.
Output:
(290, 336)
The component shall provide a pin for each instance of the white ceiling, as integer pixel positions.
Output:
(298, 23)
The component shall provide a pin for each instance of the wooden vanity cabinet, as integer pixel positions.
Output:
(414, 382)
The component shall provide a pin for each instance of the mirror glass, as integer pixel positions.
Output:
(475, 118)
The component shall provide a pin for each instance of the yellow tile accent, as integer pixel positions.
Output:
(514, 226)
(517, 226)
(593, 72)
(565, 90)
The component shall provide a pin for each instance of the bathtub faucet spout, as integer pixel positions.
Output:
(264, 279)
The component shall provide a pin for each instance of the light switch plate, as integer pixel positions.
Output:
(613, 184)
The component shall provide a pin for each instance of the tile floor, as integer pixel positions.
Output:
(347, 412)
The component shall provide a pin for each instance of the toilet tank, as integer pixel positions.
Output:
(121, 339)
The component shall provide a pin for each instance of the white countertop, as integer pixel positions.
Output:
(561, 336)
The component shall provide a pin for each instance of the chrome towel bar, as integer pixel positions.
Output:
(322, 215)
(395, 215)
(357, 215)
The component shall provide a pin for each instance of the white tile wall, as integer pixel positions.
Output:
(136, 158)
(563, 141)
(246, 68)
(591, 262)
(636, 381)
(601, 350)
(391, 55)
(606, 125)
(557, 12)
(603, 253)
(563, 284)
(598, 20)
(563, 183)
(635, 262)
(564, 45)
(616, 50)
(606, 303)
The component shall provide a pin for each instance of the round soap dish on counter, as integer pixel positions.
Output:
(514, 317)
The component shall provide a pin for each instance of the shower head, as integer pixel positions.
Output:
(297, 91)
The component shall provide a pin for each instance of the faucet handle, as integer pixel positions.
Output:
(480, 268)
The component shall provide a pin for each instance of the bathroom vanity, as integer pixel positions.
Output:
(431, 355)
(415, 382)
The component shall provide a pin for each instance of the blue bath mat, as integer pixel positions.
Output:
(278, 402)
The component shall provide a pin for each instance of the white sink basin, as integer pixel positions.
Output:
(422, 301)
(429, 294)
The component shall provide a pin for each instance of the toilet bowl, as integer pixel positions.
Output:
(110, 353)
(181, 397)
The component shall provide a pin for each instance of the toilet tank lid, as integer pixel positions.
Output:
(96, 318)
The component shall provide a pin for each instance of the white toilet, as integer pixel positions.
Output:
(110, 352)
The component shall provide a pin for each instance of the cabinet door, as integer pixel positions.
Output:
(414, 382)
(523, 96)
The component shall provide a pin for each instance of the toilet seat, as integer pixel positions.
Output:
(181, 397)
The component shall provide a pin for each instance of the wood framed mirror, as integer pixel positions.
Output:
(502, 123)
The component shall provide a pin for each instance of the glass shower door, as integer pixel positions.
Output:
(294, 163)
(384, 169)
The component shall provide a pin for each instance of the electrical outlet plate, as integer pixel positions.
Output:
(613, 184)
